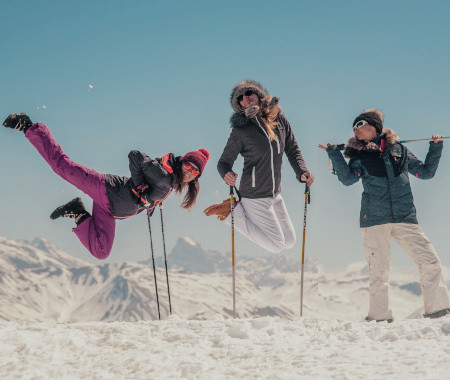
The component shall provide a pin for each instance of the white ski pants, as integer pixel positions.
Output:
(264, 221)
(410, 237)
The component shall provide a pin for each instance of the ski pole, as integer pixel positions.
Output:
(419, 140)
(307, 201)
(153, 260)
(165, 257)
(232, 250)
(342, 146)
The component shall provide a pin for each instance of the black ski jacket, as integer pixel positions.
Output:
(261, 176)
(155, 174)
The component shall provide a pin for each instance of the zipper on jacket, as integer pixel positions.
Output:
(271, 157)
(253, 176)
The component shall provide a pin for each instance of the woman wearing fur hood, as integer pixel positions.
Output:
(261, 134)
(387, 209)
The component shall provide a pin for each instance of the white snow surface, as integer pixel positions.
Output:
(250, 348)
(62, 318)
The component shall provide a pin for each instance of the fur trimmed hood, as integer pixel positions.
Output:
(243, 86)
(354, 145)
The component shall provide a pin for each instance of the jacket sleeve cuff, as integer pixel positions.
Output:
(436, 146)
(332, 150)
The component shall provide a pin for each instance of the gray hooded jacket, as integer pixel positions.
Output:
(261, 176)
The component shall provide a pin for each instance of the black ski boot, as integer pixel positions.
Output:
(18, 121)
(437, 314)
(73, 209)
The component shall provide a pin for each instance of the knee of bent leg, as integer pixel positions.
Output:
(101, 251)
(290, 240)
(277, 246)
(430, 268)
(428, 259)
(101, 255)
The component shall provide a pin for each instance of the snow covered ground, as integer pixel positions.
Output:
(251, 348)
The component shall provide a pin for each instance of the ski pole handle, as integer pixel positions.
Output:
(231, 190)
(308, 193)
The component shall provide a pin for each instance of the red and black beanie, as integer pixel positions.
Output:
(198, 157)
(374, 117)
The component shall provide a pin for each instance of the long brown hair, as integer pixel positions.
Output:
(269, 117)
(192, 188)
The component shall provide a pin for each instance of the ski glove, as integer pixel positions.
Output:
(266, 106)
(222, 210)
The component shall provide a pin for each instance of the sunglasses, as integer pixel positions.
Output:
(188, 166)
(246, 93)
(360, 124)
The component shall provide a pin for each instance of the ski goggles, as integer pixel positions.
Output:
(360, 124)
(246, 93)
(189, 167)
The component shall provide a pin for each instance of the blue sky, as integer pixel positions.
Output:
(162, 72)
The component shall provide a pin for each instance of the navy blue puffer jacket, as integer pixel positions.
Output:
(383, 165)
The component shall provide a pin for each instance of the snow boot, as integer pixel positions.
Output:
(73, 209)
(437, 314)
(222, 210)
(18, 121)
(369, 319)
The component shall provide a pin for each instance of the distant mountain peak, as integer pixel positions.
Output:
(190, 241)
(42, 244)
(52, 251)
(43, 283)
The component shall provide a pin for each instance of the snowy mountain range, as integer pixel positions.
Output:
(41, 283)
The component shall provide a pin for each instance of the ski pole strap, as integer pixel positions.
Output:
(238, 193)
(149, 205)
(234, 188)
(141, 200)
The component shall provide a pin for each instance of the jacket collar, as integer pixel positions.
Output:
(355, 146)
(239, 120)
(167, 162)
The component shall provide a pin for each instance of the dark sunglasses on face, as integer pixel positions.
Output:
(246, 93)
(188, 166)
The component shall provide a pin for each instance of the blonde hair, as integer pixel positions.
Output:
(269, 117)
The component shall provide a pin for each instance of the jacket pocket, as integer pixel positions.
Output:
(253, 177)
